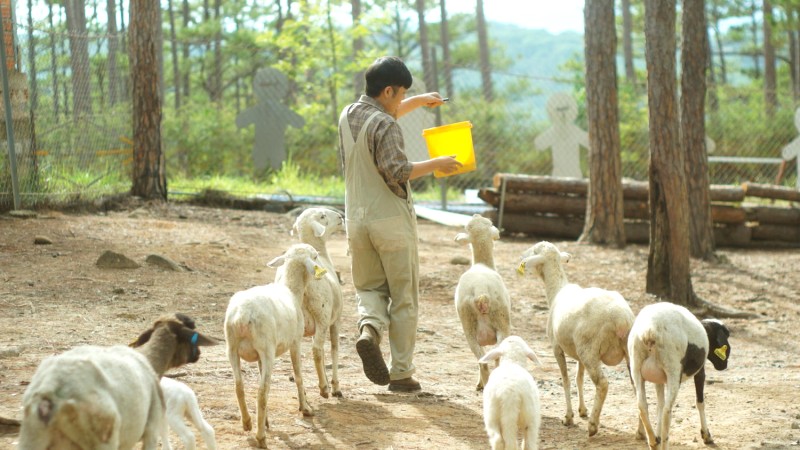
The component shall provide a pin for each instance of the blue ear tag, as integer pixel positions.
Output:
(194, 344)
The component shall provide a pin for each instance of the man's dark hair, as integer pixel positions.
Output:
(386, 71)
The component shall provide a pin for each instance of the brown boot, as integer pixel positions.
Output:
(404, 385)
(369, 349)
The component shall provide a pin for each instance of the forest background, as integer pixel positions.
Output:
(76, 139)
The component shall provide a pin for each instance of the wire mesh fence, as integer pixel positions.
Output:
(255, 112)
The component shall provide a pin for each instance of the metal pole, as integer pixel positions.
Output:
(12, 155)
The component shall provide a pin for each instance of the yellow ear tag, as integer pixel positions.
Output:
(521, 268)
(721, 352)
(319, 272)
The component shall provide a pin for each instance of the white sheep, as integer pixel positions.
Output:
(482, 300)
(181, 402)
(106, 397)
(263, 322)
(667, 346)
(322, 303)
(590, 325)
(511, 398)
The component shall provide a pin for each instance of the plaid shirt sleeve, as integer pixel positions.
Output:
(389, 157)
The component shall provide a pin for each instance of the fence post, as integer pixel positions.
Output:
(12, 155)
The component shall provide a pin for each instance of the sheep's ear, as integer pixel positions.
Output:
(142, 339)
(315, 269)
(319, 229)
(565, 257)
(531, 261)
(495, 233)
(201, 339)
(277, 262)
(493, 355)
(532, 356)
(463, 238)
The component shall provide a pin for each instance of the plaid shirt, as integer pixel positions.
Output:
(385, 141)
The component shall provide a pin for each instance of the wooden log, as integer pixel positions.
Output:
(572, 205)
(733, 235)
(774, 215)
(540, 225)
(771, 191)
(631, 189)
(784, 233)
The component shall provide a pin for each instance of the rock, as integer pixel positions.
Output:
(23, 214)
(9, 352)
(163, 262)
(42, 240)
(460, 261)
(112, 260)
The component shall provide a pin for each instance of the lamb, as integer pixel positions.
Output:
(482, 300)
(107, 397)
(181, 402)
(263, 322)
(511, 398)
(590, 325)
(322, 302)
(667, 345)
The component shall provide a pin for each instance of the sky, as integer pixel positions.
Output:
(554, 16)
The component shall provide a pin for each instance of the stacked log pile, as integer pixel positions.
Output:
(556, 207)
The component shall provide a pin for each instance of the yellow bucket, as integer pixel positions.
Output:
(451, 140)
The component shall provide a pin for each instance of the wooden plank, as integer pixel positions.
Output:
(771, 191)
(448, 218)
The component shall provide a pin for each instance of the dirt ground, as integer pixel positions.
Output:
(53, 297)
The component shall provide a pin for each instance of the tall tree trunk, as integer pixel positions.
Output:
(217, 90)
(604, 208)
(715, 16)
(149, 179)
(176, 70)
(113, 44)
(187, 64)
(693, 131)
(483, 49)
(34, 92)
(668, 270)
(713, 98)
(358, 47)
(447, 64)
(627, 42)
(53, 62)
(754, 34)
(770, 76)
(79, 58)
(334, 64)
(424, 46)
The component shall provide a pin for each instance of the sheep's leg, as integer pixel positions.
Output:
(266, 363)
(200, 423)
(184, 433)
(495, 439)
(297, 366)
(579, 383)
(562, 365)
(673, 384)
(699, 383)
(508, 429)
(659, 409)
(600, 391)
(644, 417)
(318, 350)
(233, 357)
(531, 441)
(470, 324)
(334, 335)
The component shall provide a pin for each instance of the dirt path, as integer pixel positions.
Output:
(53, 297)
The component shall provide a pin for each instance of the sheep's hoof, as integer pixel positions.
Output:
(592, 429)
(706, 436)
(307, 412)
(640, 435)
(261, 442)
(568, 421)
(247, 424)
(338, 393)
(324, 392)
(583, 413)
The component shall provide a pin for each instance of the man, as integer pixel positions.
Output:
(380, 220)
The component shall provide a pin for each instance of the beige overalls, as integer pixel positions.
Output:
(382, 234)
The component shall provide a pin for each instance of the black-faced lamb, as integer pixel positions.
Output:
(95, 397)
(667, 346)
(322, 302)
(590, 325)
(511, 398)
(482, 300)
(263, 322)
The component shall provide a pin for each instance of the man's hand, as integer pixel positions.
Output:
(447, 164)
